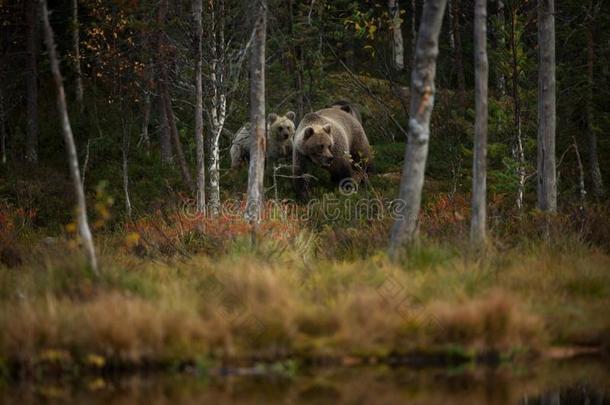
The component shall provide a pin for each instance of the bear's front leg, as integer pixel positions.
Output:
(340, 169)
(301, 182)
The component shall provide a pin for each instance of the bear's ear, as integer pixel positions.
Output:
(291, 115)
(308, 132)
(272, 118)
(346, 108)
(327, 128)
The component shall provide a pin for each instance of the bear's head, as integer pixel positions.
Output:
(281, 128)
(318, 144)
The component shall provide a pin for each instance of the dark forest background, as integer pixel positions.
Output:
(133, 53)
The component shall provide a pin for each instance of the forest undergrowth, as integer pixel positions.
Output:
(178, 288)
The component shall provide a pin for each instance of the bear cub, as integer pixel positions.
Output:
(280, 134)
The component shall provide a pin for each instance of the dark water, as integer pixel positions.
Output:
(584, 381)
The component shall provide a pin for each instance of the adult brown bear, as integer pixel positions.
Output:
(333, 139)
(348, 107)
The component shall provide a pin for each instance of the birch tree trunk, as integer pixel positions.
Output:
(518, 151)
(479, 164)
(257, 118)
(200, 157)
(83, 224)
(125, 155)
(547, 181)
(398, 51)
(596, 175)
(31, 141)
(422, 103)
(76, 50)
(219, 100)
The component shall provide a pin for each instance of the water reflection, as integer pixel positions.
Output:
(559, 382)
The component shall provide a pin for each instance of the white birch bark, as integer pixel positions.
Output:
(547, 176)
(219, 101)
(257, 118)
(200, 156)
(479, 164)
(422, 103)
(398, 51)
(83, 224)
(518, 151)
(125, 166)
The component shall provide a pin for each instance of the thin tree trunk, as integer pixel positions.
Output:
(165, 136)
(31, 142)
(297, 66)
(125, 154)
(214, 163)
(547, 176)
(457, 55)
(398, 51)
(85, 162)
(518, 151)
(144, 135)
(200, 169)
(451, 28)
(422, 103)
(479, 165)
(83, 225)
(413, 30)
(501, 43)
(175, 135)
(581, 175)
(76, 46)
(596, 175)
(2, 130)
(219, 101)
(257, 118)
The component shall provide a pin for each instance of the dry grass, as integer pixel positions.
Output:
(268, 303)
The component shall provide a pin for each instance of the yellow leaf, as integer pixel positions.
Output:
(95, 360)
(132, 239)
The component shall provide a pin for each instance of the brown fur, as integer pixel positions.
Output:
(333, 139)
(280, 131)
(348, 108)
